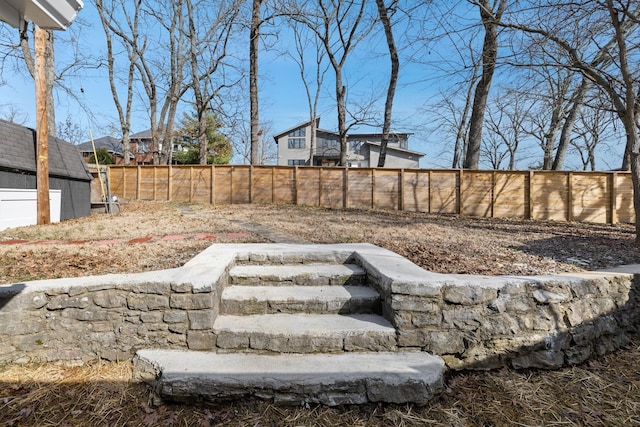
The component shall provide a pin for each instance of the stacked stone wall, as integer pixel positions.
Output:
(109, 321)
(486, 323)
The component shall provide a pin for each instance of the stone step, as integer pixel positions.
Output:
(292, 379)
(304, 333)
(298, 274)
(246, 300)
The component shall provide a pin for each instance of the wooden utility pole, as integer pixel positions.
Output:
(42, 130)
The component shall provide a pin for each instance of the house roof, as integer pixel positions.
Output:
(145, 134)
(298, 126)
(393, 148)
(112, 144)
(18, 152)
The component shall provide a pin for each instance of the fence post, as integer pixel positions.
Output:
(170, 186)
(401, 190)
(569, 196)
(493, 194)
(320, 186)
(273, 184)
(212, 191)
(373, 188)
(459, 192)
(295, 185)
(529, 196)
(613, 196)
(345, 185)
(251, 184)
(429, 191)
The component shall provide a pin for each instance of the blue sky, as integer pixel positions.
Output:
(283, 101)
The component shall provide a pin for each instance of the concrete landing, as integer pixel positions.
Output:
(293, 379)
(305, 333)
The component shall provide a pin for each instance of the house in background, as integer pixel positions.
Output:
(140, 148)
(294, 146)
(67, 170)
(113, 146)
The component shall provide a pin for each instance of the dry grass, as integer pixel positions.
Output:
(601, 393)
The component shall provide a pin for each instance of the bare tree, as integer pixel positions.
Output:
(207, 55)
(490, 13)
(254, 49)
(340, 25)
(112, 24)
(616, 78)
(385, 19)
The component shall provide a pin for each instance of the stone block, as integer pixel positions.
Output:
(432, 319)
(60, 302)
(413, 338)
(413, 303)
(146, 302)
(182, 288)
(463, 318)
(109, 299)
(578, 354)
(518, 303)
(174, 316)
(89, 314)
(201, 319)
(441, 342)
(370, 342)
(151, 317)
(12, 324)
(548, 297)
(151, 288)
(468, 295)
(549, 359)
(230, 340)
(497, 324)
(201, 340)
(177, 328)
(191, 301)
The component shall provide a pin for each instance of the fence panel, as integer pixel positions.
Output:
(360, 192)
(510, 195)
(476, 194)
(262, 185)
(415, 189)
(444, 192)
(601, 197)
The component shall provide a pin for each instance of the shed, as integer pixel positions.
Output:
(67, 170)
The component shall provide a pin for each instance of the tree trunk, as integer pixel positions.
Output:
(569, 123)
(489, 56)
(254, 46)
(393, 80)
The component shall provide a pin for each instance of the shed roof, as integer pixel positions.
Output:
(18, 152)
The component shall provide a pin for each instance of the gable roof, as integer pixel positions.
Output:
(113, 145)
(298, 126)
(18, 152)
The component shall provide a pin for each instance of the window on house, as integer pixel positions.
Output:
(355, 144)
(298, 132)
(296, 162)
(143, 146)
(297, 143)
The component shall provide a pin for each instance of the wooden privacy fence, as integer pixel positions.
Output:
(601, 197)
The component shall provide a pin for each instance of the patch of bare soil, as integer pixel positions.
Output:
(603, 392)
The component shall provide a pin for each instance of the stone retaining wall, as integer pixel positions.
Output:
(109, 321)
(472, 322)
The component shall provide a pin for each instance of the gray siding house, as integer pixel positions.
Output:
(294, 148)
(67, 171)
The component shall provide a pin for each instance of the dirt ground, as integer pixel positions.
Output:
(600, 393)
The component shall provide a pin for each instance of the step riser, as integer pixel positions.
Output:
(353, 378)
(352, 306)
(305, 344)
(302, 280)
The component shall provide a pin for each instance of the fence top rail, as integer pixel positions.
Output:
(423, 170)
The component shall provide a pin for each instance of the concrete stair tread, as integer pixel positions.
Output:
(297, 293)
(330, 379)
(303, 324)
(300, 274)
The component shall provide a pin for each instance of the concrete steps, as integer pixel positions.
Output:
(297, 334)
(293, 379)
